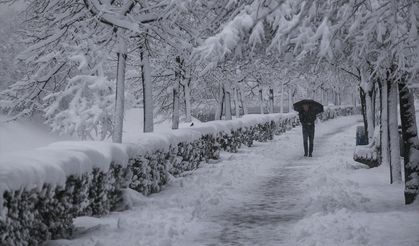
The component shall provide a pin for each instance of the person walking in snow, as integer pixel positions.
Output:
(307, 118)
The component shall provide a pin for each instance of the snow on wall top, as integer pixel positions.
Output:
(54, 163)
(150, 142)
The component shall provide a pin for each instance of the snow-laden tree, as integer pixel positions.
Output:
(46, 59)
(156, 25)
(68, 70)
(10, 46)
(376, 39)
(53, 28)
(171, 43)
(85, 106)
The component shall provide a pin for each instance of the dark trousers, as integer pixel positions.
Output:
(308, 137)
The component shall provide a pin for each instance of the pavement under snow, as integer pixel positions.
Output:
(268, 195)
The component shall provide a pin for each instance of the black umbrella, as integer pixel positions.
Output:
(313, 106)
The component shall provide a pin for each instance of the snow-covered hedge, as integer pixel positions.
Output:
(366, 154)
(369, 154)
(44, 189)
(333, 112)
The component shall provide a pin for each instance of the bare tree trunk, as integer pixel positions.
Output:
(334, 97)
(236, 102)
(185, 82)
(339, 98)
(187, 92)
(377, 105)
(261, 101)
(328, 96)
(370, 115)
(220, 106)
(290, 102)
(243, 102)
(393, 128)
(354, 99)
(224, 104)
(120, 92)
(363, 98)
(271, 100)
(282, 98)
(147, 90)
(374, 105)
(385, 151)
(176, 87)
(411, 142)
(227, 97)
(175, 114)
(378, 120)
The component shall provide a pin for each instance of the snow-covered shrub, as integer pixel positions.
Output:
(187, 156)
(229, 141)
(266, 131)
(333, 112)
(141, 175)
(366, 154)
(45, 189)
(211, 147)
(80, 193)
(99, 203)
(244, 136)
(36, 215)
(119, 179)
(149, 172)
(21, 218)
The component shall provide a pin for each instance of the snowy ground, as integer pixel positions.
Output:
(27, 134)
(134, 124)
(268, 195)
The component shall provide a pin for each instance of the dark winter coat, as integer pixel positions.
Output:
(307, 118)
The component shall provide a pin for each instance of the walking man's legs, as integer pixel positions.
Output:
(311, 140)
(305, 139)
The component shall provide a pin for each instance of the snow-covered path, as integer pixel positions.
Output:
(274, 204)
(268, 195)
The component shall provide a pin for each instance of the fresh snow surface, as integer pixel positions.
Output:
(54, 163)
(134, 123)
(267, 195)
(28, 134)
(25, 135)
